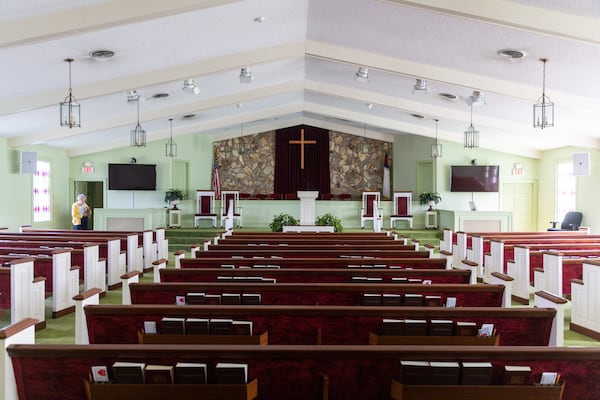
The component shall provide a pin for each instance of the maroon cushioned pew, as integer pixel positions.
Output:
(307, 372)
(333, 275)
(467, 295)
(318, 324)
(316, 262)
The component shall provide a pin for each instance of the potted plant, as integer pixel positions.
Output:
(330, 220)
(430, 198)
(281, 220)
(173, 196)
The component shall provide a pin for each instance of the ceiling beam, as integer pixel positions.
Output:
(170, 74)
(515, 15)
(446, 75)
(93, 18)
(162, 113)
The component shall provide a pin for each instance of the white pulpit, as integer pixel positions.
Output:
(307, 206)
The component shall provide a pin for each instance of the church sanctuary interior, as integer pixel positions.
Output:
(430, 167)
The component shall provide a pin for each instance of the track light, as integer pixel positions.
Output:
(362, 75)
(477, 98)
(190, 87)
(246, 75)
(420, 87)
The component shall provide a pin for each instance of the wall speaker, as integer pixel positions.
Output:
(581, 164)
(28, 162)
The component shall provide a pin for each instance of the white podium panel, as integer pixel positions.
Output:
(307, 206)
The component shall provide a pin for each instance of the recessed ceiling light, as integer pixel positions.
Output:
(160, 95)
(512, 54)
(102, 54)
(419, 116)
(449, 96)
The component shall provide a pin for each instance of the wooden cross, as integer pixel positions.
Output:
(302, 142)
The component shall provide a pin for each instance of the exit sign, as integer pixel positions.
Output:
(87, 170)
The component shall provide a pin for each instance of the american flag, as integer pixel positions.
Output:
(386, 177)
(216, 180)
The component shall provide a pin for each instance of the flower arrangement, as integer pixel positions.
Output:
(173, 196)
(281, 220)
(331, 220)
(430, 198)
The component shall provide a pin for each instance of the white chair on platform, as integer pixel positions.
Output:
(231, 198)
(205, 207)
(402, 209)
(370, 210)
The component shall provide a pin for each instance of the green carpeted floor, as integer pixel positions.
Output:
(62, 330)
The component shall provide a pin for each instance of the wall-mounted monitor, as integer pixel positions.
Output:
(474, 178)
(131, 177)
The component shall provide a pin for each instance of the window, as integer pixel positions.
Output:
(41, 192)
(565, 190)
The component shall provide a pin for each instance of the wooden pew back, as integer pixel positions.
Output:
(306, 372)
(315, 262)
(318, 293)
(303, 325)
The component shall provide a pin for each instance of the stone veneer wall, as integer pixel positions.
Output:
(352, 170)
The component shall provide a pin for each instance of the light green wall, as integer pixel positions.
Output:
(16, 201)
(587, 187)
(196, 149)
(410, 149)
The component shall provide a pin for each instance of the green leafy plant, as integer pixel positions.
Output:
(330, 220)
(427, 197)
(173, 194)
(281, 220)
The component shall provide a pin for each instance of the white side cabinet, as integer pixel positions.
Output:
(431, 220)
(174, 218)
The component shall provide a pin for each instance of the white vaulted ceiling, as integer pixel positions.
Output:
(304, 55)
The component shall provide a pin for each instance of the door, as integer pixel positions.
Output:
(179, 177)
(518, 198)
(94, 190)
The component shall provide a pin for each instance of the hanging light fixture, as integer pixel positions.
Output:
(365, 145)
(70, 111)
(171, 146)
(543, 110)
(137, 134)
(436, 148)
(241, 144)
(471, 135)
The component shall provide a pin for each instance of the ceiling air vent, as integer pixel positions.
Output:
(512, 54)
(449, 96)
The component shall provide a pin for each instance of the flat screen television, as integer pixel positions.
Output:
(474, 178)
(131, 177)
